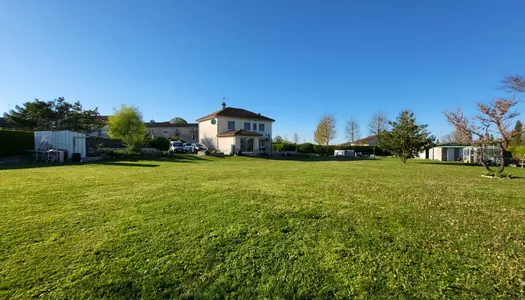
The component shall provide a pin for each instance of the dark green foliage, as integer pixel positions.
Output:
(54, 115)
(305, 148)
(284, 146)
(278, 139)
(405, 139)
(178, 120)
(160, 143)
(15, 142)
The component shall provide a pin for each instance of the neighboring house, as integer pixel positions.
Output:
(443, 153)
(231, 130)
(188, 132)
(102, 132)
(367, 141)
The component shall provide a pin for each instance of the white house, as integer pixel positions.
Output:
(231, 130)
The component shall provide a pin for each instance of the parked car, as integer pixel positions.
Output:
(200, 147)
(177, 147)
(189, 148)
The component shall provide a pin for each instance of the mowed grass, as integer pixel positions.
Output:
(261, 228)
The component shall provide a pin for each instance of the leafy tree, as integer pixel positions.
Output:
(325, 131)
(377, 123)
(54, 115)
(519, 133)
(178, 120)
(352, 130)
(492, 126)
(127, 125)
(406, 138)
(278, 139)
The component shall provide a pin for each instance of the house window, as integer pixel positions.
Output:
(261, 127)
(254, 126)
(246, 125)
(231, 125)
(247, 144)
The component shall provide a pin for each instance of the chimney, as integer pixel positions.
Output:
(223, 105)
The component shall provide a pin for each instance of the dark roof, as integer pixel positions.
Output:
(238, 132)
(168, 124)
(235, 113)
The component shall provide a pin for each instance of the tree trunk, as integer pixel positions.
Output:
(482, 159)
(404, 159)
(502, 159)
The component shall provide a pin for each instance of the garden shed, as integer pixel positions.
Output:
(73, 142)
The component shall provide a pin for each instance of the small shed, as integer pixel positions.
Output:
(73, 142)
(443, 153)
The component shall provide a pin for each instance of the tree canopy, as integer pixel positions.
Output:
(54, 115)
(127, 125)
(178, 120)
(406, 138)
(325, 131)
(278, 139)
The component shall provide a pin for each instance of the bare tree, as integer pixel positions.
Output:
(352, 130)
(325, 131)
(296, 138)
(514, 83)
(377, 123)
(493, 125)
(456, 137)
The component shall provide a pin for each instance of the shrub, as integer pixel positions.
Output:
(160, 143)
(284, 146)
(15, 142)
(306, 148)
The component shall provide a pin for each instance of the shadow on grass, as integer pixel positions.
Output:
(314, 158)
(114, 161)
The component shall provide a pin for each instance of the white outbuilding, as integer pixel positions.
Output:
(73, 142)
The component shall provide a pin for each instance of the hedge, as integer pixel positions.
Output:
(325, 150)
(15, 142)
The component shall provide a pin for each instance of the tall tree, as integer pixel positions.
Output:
(519, 133)
(325, 131)
(377, 123)
(54, 115)
(178, 120)
(352, 130)
(296, 138)
(127, 125)
(406, 138)
(277, 139)
(491, 126)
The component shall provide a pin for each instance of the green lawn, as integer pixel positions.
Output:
(246, 227)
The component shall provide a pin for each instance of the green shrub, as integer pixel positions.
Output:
(160, 143)
(15, 142)
(284, 146)
(306, 148)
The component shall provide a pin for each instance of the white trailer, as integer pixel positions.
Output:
(73, 142)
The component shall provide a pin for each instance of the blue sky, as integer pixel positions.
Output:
(290, 60)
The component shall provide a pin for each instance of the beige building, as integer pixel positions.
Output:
(231, 130)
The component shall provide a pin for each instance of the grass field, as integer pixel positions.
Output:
(245, 227)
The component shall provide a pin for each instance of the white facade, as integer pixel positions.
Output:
(73, 142)
(442, 153)
(210, 128)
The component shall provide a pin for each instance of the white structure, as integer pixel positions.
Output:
(443, 153)
(344, 153)
(231, 130)
(491, 154)
(73, 142)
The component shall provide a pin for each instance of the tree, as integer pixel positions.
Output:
(296, 138)
(127, 125)
(325, 131)
(492, 125)
(352, 130)
(161, 143)
(519, 133)
(178, 120)
(456, 137)
(278, 139)
(406, 138)
(54, 115)
(515, 83)
(377, 123)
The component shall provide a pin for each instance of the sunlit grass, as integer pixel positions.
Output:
(260, 228)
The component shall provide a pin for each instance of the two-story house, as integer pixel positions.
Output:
(231, 130)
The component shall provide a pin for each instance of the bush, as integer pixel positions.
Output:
(15, 142)
(284, 146)
(160, 143)
(306, 148)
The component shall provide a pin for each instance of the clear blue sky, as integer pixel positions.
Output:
(290, 60)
